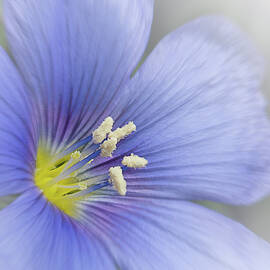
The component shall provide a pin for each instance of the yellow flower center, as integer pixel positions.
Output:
(57, 193)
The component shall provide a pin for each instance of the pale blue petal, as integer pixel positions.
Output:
(35, 235)
(125, 233)
(167, 234)
(200, 118)
(18, 133)
(76, 56)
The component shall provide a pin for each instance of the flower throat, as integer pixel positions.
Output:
(61, 177)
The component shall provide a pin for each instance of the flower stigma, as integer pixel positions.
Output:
(65, 178)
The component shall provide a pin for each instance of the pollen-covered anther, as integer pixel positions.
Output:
(103, 130)
(108, 147)
(76, 155)
(134, 161)
(118, 181)
(121, 133)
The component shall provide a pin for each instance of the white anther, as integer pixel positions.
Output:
(118, 181)
(108, 147)
(134, 161)
(121, 133)
(103, 130)
(76, 155)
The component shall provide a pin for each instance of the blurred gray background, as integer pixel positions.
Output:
(254, 17)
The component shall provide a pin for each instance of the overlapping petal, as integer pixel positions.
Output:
(200, 118)
(76, 56)
(125, 233)
(18, 130)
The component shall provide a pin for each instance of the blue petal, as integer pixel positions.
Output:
(17, 130)
(76, 56)
(167, 234)
(35, 235)
(125, 233)
(200, 118)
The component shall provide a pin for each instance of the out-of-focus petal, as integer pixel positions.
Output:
(200, 118)
(17, 130)
(35, 235)
(76, 56)
(168, 234)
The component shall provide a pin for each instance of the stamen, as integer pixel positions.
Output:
(103, 130)
(66, 173)
(81, 163)
(134, 161)
(82, 186)
(89, 162)
(121, 133)
(66, 177)
(76, 155)
(108, 147)
(72, 148)
(73, 157)
(88, 190)
(117, 179)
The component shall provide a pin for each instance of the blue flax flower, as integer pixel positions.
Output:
(107, 164)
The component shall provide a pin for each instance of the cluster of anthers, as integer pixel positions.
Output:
(61, 177)
(109, 141)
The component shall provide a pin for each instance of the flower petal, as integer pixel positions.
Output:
(17, 130)
(35, 235)
(76, 55)
(168, 234)
(201, 122)
(125, 233)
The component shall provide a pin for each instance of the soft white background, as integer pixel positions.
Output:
(254, 17)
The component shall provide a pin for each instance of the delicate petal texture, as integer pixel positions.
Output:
(167, 234)
(200, 120)
(17, 131)
(35, 235)
(76, 55)
(125, 233)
